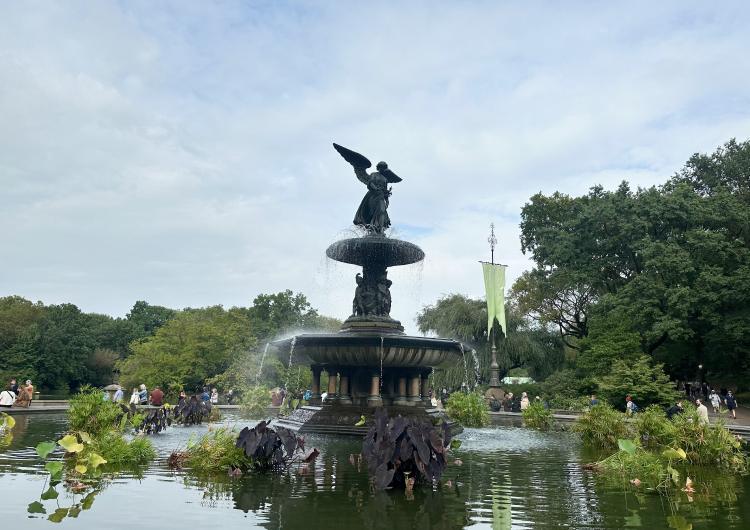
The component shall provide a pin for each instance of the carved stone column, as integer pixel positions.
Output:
(332, 373)
(426, 390)
(344, 391)
(414, 388)
(374, 399)
(400, 398)
(315, 398)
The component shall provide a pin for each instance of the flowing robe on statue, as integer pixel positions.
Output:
(373, 210)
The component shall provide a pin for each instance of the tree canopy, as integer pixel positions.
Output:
(526, 345)
(669, 265)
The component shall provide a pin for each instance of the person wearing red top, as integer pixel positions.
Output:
(157, 397)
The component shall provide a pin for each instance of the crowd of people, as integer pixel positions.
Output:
(16, 395)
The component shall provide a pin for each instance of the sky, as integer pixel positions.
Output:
(180, 152)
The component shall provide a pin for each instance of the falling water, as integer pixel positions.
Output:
(262, 360)
(466, 370)
(477, 372)
(382, 340)
(289, 366)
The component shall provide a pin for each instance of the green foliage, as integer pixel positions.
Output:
(526, 346)
(633, 463)
(119, 451)
(215, 451)
(610, 338)
(536, 416)
(194, 345)
(707, 444)
(89, 412)
(602, 426)
(566, 385)
(645, 381)
(671, 263)
(654, 429)
(469, 409)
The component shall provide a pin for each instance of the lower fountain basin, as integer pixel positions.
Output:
(367, 349)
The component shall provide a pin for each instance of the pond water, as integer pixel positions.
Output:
(509, 478)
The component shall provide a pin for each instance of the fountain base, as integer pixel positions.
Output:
(341, 419)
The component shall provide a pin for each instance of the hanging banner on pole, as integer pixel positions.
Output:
(494, 286)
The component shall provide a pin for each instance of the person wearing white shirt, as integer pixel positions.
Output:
(7, 398)
(702, 412)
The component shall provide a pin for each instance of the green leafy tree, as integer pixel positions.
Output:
(147, 318)
(640, 378)
(465, 319)
(190, 348)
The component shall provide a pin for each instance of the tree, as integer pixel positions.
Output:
(465, 319)
(148, 318)
(640, 378)
(190, 348)
(671, 263)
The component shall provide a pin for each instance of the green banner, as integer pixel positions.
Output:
(494, 285)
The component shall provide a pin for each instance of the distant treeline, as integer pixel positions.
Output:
(61, 348)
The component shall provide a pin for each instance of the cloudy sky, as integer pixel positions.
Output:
(180, 152)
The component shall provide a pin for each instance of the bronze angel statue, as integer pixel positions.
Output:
(373, 210)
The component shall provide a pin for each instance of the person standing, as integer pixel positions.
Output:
(593, 401)
(731, 403)
(14, 386)
(702, 412)
(674, 410)
(117, 398)
(715, 401)
(214, 396)
(524, 401)
(30, 391)
(630, 406)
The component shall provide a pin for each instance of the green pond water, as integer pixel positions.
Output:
(510, 477)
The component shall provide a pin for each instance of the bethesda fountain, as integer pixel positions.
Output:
(370, 362)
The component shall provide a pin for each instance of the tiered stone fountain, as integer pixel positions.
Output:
(370, 362)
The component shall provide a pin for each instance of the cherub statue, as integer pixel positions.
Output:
(373, 210)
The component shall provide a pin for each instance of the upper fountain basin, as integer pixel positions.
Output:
(366, 349)
(375, 250)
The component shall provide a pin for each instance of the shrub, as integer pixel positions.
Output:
(118, 451)
(192, 411)
(90, 413)
(536, 416)
(645, 382)
(633, 464)
(565, 385)
(216, 451)
(254, 449)
(579, 404)
(653, 427)
(707, 444)
(469, 410)
(602, 426)
(255, 402)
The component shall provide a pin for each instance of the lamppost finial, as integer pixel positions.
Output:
(492, 240)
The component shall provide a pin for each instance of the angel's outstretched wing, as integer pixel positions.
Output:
(390, 176)
(355, 159)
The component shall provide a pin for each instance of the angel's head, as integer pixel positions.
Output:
(381, 166)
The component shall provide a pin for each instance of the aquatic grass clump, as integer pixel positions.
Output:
(633, 465)
(90, 413)
(470, 410)
(602, 426)
(118, 451)
(254, 449)
(535, 416)
(654, 428)
(214, 451)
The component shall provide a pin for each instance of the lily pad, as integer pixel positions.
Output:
(58, 515)
(50, 494)
(70, 444)
(674, 454)
(36, 507)
(80, 468)
(55, 469)
(85, 437)
(45, 448)
(95, 460)
(627, 445)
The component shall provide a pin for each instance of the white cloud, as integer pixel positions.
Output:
(180, 153)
